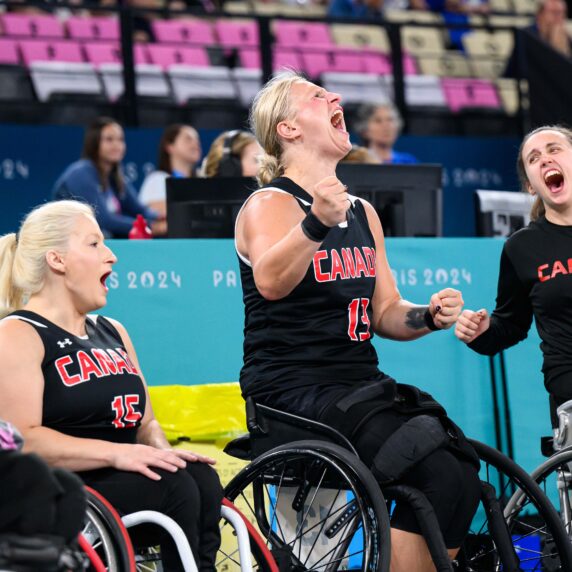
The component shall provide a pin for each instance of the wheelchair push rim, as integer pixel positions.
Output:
(316, 506)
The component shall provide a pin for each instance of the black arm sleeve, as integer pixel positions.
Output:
(512, 316)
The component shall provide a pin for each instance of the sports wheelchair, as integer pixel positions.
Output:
(554, 476)
(107, 540)
(318, 507)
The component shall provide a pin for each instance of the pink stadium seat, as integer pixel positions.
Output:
(36, 26)
(376, 63)
(285, 58)
(166, 56)
(9, 52)
(46, 51)
(98, 53)
(106, 29)
(303, 34)
(315, 63)
(347, 60)
(249, 58)
(462, 93)
(239, 33)
(184, 31)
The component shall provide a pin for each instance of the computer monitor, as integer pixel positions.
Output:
(500, 213)
(205, 208)
(407, 198)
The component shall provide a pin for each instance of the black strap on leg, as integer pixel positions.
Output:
(499, 530)
(427, 523)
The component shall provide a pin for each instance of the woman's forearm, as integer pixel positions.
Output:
(72, 453)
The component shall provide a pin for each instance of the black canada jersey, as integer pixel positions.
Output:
(535, 279)
(91, 387)
(320, 334)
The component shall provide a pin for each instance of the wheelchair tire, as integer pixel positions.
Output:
(524, 535)
(107, 534)
(317, 506)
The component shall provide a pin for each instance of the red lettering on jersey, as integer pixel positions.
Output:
(61, 364)
(360, 263)
(87, 366)
(337, 266)
(106, 364)
(370, 259)
(558, 268)
(318, 274)
(546, 272)
(541, 276)
(349, 263)
(126, 357)
(119, 362)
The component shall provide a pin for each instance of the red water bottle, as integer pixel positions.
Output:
(140, 228)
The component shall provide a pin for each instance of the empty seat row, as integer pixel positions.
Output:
(179, 84)
(314, 62)
(451, 94)
(182, 83)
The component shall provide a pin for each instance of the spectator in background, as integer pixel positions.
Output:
(370, 9)
(359, 154)
(233, 154)
(379, 125)
(179, 153)
(550, 26)
(98, 180)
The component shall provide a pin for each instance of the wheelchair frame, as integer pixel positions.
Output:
(498, 545)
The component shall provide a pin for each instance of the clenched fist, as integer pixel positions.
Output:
(472, 324)
(331, 201)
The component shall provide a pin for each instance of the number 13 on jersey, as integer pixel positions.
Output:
(358, 320)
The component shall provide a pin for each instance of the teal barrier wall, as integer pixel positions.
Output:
(182, 304)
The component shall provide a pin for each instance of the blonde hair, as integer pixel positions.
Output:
(271, 106)
(240, 140)
(23, 264)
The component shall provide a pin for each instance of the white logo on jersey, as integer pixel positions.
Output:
(66, 342)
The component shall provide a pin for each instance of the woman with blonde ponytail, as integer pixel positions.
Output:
(535, 277)
(317, 285)
(71, 383)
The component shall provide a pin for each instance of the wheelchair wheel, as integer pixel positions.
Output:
(228, 557)
(317, 507)
(104, 530)
(516, 527)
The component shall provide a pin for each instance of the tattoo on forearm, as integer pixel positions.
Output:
(415, 318)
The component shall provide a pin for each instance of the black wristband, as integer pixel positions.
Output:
(429, 322)
(313, 228)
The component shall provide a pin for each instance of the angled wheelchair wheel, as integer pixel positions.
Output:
(229, 556)
(105, 532)
(516, 527)
(317, 507)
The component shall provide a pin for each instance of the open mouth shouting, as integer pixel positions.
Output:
(103, 278)
(337, 120)
(554, 180)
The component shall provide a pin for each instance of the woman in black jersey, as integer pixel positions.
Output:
(316, 287)
(535, 277)
(71, 383)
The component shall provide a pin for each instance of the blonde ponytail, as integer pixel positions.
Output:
(269, 169)
(11, 297)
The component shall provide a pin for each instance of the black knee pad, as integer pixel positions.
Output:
(408, 445)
